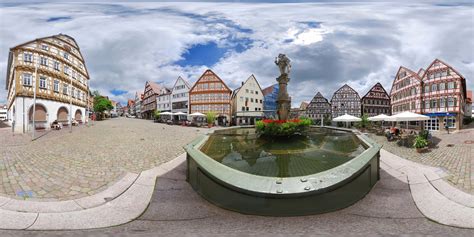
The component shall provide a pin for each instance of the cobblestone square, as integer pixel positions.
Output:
(61, 165)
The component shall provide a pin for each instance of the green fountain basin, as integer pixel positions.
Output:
(325, 170)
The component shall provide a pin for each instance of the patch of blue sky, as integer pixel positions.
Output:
(202, 54)
(58, 18)
(312, 24)
(118, 92)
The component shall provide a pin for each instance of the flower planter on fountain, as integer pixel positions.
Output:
(282, 128)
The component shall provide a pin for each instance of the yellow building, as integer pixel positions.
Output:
(55, 68)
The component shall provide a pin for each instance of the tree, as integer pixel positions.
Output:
(211, 117)
(101, 104)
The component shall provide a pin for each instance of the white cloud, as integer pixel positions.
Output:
(127, 44)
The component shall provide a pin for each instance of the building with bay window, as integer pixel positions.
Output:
(345, 101)
(211, 94)
(54, 67)
(376, 101)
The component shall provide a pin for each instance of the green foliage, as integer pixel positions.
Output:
(424, 134)
(156, 113)
(102, 104)
(327, 120)
(420, 142)
(210, 117)
(364, 123)
(279, 128)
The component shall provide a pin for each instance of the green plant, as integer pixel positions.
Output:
(281, 128)
(420, 142)
(364, 122)
(424, 134)
(157, 114)
(327, 120)
(211, 117)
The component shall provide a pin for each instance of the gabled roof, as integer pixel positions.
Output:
(209, 71)
(319, 95)
(409, 71)
(372, 90)
(304, 105)
(182, 79)
(234, 93)
(154, 87)
(442, 62)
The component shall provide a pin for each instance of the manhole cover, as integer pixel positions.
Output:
(450, 145)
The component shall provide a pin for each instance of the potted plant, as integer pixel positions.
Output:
(420, 144)
(211, 117)
(156, 115)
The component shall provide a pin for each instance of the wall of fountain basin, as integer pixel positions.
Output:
(283, 194)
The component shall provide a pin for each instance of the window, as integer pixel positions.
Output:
(74, 74)
(442, 103)
(434, 87)
(65, 89)
(66, 70)
(28, 57)
(450, 101)
(73, 94)
(66, 55)
(26, 79)
(56, 65)
(44, 47)
(243, 108)
(42, 82)
(451, 122)
(451, 85)
(261, 101)
(427, 89)
(427, 104)
(246, 90)
(441, 86)
(434, 104)
(44, 61)
(56, 85)
(251, 99)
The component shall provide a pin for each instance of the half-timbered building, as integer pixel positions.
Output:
(54, 68)
(211, 94)
(345, 101)
(148, 105)
(318, 108)
(376, 101)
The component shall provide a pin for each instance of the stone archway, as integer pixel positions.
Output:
(63, 115)
(78, 115)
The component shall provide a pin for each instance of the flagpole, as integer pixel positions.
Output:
(34, 99)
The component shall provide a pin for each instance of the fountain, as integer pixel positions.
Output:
(321, 170)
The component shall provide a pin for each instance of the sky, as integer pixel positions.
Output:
(330, 44)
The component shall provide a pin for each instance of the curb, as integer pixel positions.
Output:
(434, 197)
(121, 203)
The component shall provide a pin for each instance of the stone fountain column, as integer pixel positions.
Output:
(283, 100)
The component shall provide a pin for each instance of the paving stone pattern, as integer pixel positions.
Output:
(457, 160)
(63, 166)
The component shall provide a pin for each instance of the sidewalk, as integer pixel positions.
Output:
(436, 199)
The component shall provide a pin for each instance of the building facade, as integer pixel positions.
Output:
(3, 112)
(163, 100)
(54, 68)
(319, 108)
(376, 101)
(211, 94)
(247, 102)
(148, 105)
(345, 101)
(180, 96)
(137, 110)
(300, 111)
(438, 92)
(270, 96)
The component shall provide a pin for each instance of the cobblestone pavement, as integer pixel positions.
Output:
(453, 152)
(62, 165)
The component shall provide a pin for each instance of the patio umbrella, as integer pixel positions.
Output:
(380, 117)
(197, 114)
(166, 113)
(179, 113)
(346, 118)
(407, 116)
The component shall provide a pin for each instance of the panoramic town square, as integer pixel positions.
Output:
(236, 122)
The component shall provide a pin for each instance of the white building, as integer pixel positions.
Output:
(52, 68)
(247, 102)
(163, 100)
(180, 96)
(3, 112)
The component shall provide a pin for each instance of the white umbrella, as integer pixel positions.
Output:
(197, 114)
(380, 117)
(407, 116)
(179, 113)
(346, 118)
(166, 113)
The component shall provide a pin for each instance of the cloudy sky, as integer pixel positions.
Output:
(330, 44)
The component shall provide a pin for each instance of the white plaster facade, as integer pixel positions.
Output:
(247, 102)
(180, 96)
(18, 114)
(3, 112)
(163, 100)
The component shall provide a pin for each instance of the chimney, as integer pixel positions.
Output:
(242, 83)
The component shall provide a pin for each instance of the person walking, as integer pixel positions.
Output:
(446, 127)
